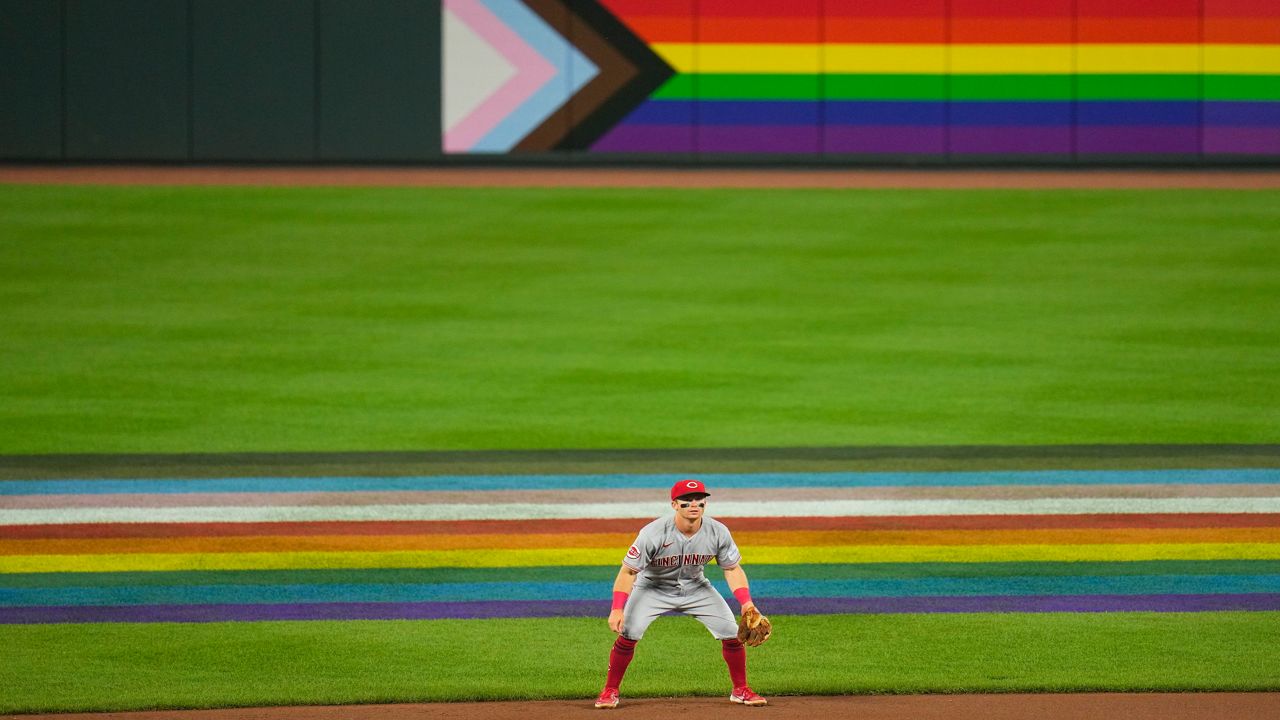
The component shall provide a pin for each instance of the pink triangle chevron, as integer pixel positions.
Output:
(532, 72)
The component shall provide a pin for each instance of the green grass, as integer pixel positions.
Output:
(121, 667)
(243, 319)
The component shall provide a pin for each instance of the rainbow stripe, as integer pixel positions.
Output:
(1055, 78)
(319, 548)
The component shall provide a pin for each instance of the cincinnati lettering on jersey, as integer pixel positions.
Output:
(678, 560)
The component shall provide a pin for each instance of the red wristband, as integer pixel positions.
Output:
(743, 595)
(619, 600)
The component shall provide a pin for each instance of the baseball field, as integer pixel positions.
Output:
(267, 446)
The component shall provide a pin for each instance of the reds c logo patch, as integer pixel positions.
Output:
(633, 553)
(691, 484)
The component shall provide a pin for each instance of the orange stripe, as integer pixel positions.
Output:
(759, 30)
(1242, 31)
(1138, 30)
(921, 30)
(800, 538)
(1001, 30)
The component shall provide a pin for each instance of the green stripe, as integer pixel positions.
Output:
(605, 573)
(1242, 87)
(1011, 87)
(741, 87)
(970, 87)
(1138, 87)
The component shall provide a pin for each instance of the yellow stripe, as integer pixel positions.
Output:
(609, 557)
(1242, 59)
(1104, 59)
(974, 59)
(1012, 59)
(882, 59)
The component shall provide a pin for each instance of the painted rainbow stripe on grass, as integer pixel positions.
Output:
(429, 547)
(1050, 78)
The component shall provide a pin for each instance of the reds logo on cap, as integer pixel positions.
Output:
(688, 486)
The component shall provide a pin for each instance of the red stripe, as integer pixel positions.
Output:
(1138, 30)
(885, 8)
(1011, 8)
(760, 8)
(664, 29)
(674, 8)
(1242, 8)
(1138, 8)
(476, 527)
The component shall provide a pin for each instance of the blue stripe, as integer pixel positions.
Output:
(897, 112)
(1243, 114)
(763, 589)
(1175, 113)
(1019, 114)
(726, 112)
(663, 112)
(1257, 476)
(1138, 112)
(759, 112)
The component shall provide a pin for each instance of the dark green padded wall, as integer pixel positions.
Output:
(253, 79)
(379, 80)
(31, 79)
(127, 80)
(220, 80)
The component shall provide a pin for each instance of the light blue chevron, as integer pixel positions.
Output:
(573, 70)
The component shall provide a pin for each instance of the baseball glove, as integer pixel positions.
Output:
(753, 628)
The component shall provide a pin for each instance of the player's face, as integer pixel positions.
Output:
(690, 507)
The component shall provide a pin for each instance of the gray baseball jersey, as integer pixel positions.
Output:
(670, 567)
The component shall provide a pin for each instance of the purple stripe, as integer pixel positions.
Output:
(305, 611)
(1140, 140)
(885, 139)
(599, 608)
(631, 138)
(1241, 140)
(1025, 603)
(789, 139)
(1011, 140)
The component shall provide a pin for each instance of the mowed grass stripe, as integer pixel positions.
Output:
(256, 665)
(589, 556)
(632, 525)
(605, 573)
(763, 589)
(747, 541)
(445, 483)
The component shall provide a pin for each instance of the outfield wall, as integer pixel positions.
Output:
(682, 81)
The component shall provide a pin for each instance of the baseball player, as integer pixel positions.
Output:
(663, 572)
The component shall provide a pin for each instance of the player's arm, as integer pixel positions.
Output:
(622, 586)
(737, 580)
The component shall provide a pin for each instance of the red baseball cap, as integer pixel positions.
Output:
(688, 486)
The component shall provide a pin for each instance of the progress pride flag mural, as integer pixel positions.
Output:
(1052, 79)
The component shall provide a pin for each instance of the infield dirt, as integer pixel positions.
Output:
(1131, 706)
(636, 177)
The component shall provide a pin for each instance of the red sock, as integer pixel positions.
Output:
(735, 656)
(619, 659)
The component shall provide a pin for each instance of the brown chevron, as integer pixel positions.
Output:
(615, 72)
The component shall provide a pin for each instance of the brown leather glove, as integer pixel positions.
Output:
(753, 628)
